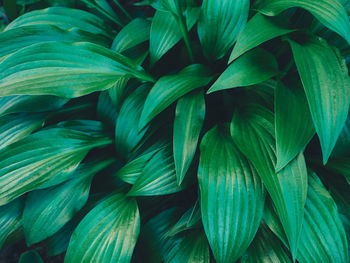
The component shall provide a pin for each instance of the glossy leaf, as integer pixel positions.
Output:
(232, 196)
(10, 219)
(293, 122)
(134, 33)
(251, 68)
(158, 177)
(47, 210)
(30, 256)
(330, 13)
(16, 127)
(219, 24)
(170, 88)
(42, 159)
(253, 131)
(189, 118)
(258, 30)
(64, 69)
(324, 75)
(108, 233)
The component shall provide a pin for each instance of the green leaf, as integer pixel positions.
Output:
(330, 13)
(324, 75)
(254, 67)
(258, 30)
(134, 33)
(253, 131)
(294, 126)
(108, 233)
(189, 118)
(341, 166)
(232, 196)
(64, 69)
(127, 135)
(16, 127)
(31, 256)
(266, 248)
(106, 109)
(91, 127)
(47, 210)
(42, 159)
(170, 88)
(65, 18)
(219, 24)
(165, 31)
(158, 177)
(193, 247)
(25, 103)
(190, 219)
(342, 147)
(10, 219)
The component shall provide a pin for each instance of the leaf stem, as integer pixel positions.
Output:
(186, 36)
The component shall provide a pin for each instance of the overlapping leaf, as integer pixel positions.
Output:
(30, 256)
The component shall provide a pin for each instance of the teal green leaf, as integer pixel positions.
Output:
(133, 169)
(42, 159)
(166, 33)
(134, 33)
(127, 135)
(254, 67)
(232, 196)
(108, 233)
(189, 118)
(219, 24)
(10, 219)
(30, 256)
(25, 103)
(330, 13)
(64, 69)
(106, 109)
(16, 127)
(294, 126)
(258, 30)
(253, 131)
(65, 18)
(324, 75)
(91, 127)
(170, 88)
(47, 210)
(266, 248)
(158, 177)
(190, 219)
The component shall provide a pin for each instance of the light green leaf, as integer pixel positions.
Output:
(330, 13)
(134, 33)
(10, 219)
(31, 256)
(158, 177)
(232, 196)
(170, 88)
(47, 210)
(42, 159)
(219, 24)
(294, 126)
(64, 69)
(108, 233)
(266, 248)
(254, 67)
(65, 18)
(24, 103)
(253, 131)
(324, 75)
(258, 30)
(15, 127)
(189, 118)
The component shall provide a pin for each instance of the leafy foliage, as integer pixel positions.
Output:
(175, 130)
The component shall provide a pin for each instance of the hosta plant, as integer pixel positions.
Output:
(176, 130)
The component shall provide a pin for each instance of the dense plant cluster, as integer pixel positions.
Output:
(176, 130)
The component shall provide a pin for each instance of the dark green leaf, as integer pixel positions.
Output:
(219, 24)
(341, 166)
(253, 131)
(326, 82)
(30, 256)
(232, 196)
(254, 67)
(94, 128)
(108, 233)
(342, 147)
(189, 118)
